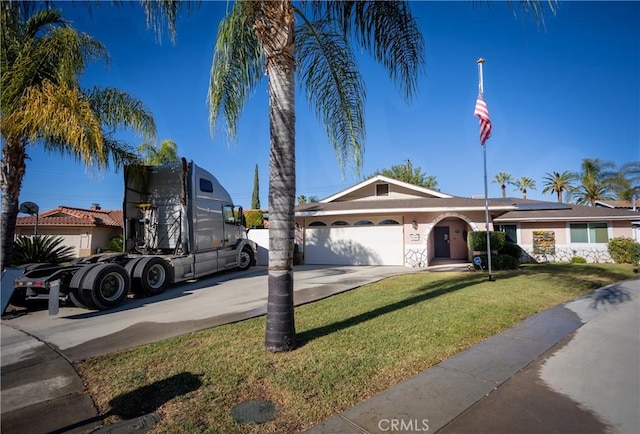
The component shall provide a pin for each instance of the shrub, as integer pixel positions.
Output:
(115, 244)
(622, 250)
(513, 250)
(477, 240)
(499, 262)
(578, 260)
(254, 218)
(40, 249)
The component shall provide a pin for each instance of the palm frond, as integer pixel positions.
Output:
(334, 87)
(237, 66)
(390, 33)
(117, 109)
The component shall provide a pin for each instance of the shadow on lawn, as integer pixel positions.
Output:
(443, 287)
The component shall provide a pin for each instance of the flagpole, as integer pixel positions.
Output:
(486, 197)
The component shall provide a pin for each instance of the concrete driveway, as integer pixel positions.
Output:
(227, 297)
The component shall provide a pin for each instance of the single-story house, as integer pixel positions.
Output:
(383, 221)
(86, 230)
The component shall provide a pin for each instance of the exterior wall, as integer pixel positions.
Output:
(564, 249)
(84, 240)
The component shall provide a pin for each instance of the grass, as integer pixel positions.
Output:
(352, 346)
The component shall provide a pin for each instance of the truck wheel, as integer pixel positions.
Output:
(75, 289)
(107, 284)
(153, 274)
(245, 259)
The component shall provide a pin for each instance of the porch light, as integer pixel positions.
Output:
(414, 224)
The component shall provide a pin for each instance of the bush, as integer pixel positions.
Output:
(115, 244)
(622, 250)
(499, 262)
(578, 260)
(513, 250)
(254, 218)
(40, 249)
(477, 240)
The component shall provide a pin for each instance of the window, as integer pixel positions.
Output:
(588, 233)
(227, 212)
(206, 185)
(317, 224)
(388, 222)
(363, 223)
(340, 223)
(382, 189)
(510, 230)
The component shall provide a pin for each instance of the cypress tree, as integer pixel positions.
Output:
(255, 198)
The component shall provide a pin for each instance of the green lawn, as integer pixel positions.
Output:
(352, 346)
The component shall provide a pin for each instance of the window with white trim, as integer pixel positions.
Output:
(589, 233)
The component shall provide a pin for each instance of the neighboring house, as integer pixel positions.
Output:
(624, 204)
(382, 221)
(85, 230)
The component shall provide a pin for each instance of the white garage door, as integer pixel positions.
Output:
(354, 245)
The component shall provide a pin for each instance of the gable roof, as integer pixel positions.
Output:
(414, 204)
(420, 191)
(69, 216)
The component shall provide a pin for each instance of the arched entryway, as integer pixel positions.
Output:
(446, 237)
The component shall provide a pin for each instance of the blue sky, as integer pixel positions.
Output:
(556, 95)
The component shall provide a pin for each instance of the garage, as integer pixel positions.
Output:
(364, 242)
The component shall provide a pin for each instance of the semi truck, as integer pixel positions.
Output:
(179, 224)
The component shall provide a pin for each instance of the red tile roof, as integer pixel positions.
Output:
(68, 216)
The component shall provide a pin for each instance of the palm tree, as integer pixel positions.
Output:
(41, 101)
(503, 178)
(596, 182)
(627, 183)
(523, 184)
(165, 154)
(558, 183)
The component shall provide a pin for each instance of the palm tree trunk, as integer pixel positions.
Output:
(504, 191)
(11, 172)
(279, 50)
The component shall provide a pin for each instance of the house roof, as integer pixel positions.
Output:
(416, 204)
(570, 212)
(615, 204)
(418, 191)
(68, 216)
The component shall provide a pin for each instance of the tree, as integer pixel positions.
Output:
(42, 57)
(302, 199)
(255, 198)
(406, 173)
(558, 183)
(626, 184)
(523, 184)
(258, 37)
(503, 178)
(165, 154)
(596, 182)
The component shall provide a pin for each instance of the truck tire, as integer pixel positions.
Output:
(75, 289)
(245, 259)
(153, 275)
(107, 285)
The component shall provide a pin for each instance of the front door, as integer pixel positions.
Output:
(441, 242)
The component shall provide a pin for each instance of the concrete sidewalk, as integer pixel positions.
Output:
(574, 368)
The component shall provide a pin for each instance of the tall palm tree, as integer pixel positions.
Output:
(523, 184)
(503, 178)
(597, 178)
(627, 182)
(558, 183)
(153, 155)
(42, 103)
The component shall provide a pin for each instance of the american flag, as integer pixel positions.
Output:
(483, 113)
